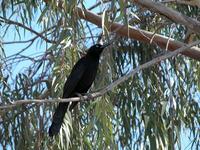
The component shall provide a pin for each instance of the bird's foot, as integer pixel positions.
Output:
(81, 96)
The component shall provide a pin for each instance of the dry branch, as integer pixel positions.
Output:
(109, 87)
(185, 2)
(137, 34)
(140, 35)
(173, 15)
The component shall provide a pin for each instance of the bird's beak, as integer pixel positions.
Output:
(105, 45)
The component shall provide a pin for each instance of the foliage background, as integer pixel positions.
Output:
(40, 43)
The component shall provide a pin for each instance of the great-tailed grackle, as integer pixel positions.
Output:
(79, 81)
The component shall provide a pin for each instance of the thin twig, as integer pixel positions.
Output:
(109, 87)
(8, 21)
(30, 40)
(99, 3)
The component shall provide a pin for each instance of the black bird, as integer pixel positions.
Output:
(79, 81)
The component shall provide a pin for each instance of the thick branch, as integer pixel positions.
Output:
(111, 86)
(137, 34)
(185, 2)
(173, 15)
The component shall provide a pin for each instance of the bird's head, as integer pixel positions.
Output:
(96, 49)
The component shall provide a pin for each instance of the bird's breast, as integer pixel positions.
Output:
(88, 77)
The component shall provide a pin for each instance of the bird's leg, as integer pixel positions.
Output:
(73, 104)
(89, 96)
(80, 96)
(84, 94)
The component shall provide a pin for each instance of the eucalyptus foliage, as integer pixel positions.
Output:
(159, 108)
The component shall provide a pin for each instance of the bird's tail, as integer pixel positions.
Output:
(58, 119)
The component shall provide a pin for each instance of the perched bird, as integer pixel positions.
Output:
(79, 81)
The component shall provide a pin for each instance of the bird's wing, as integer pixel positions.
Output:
(74, 77)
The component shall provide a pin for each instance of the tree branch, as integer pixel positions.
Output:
(137, 34)
(25, 27)
(185, 2)
(109, 87)
(98, 3)
(173, 15)
(30, 40)
(140, 35)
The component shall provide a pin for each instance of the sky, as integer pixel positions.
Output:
(38, 48)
